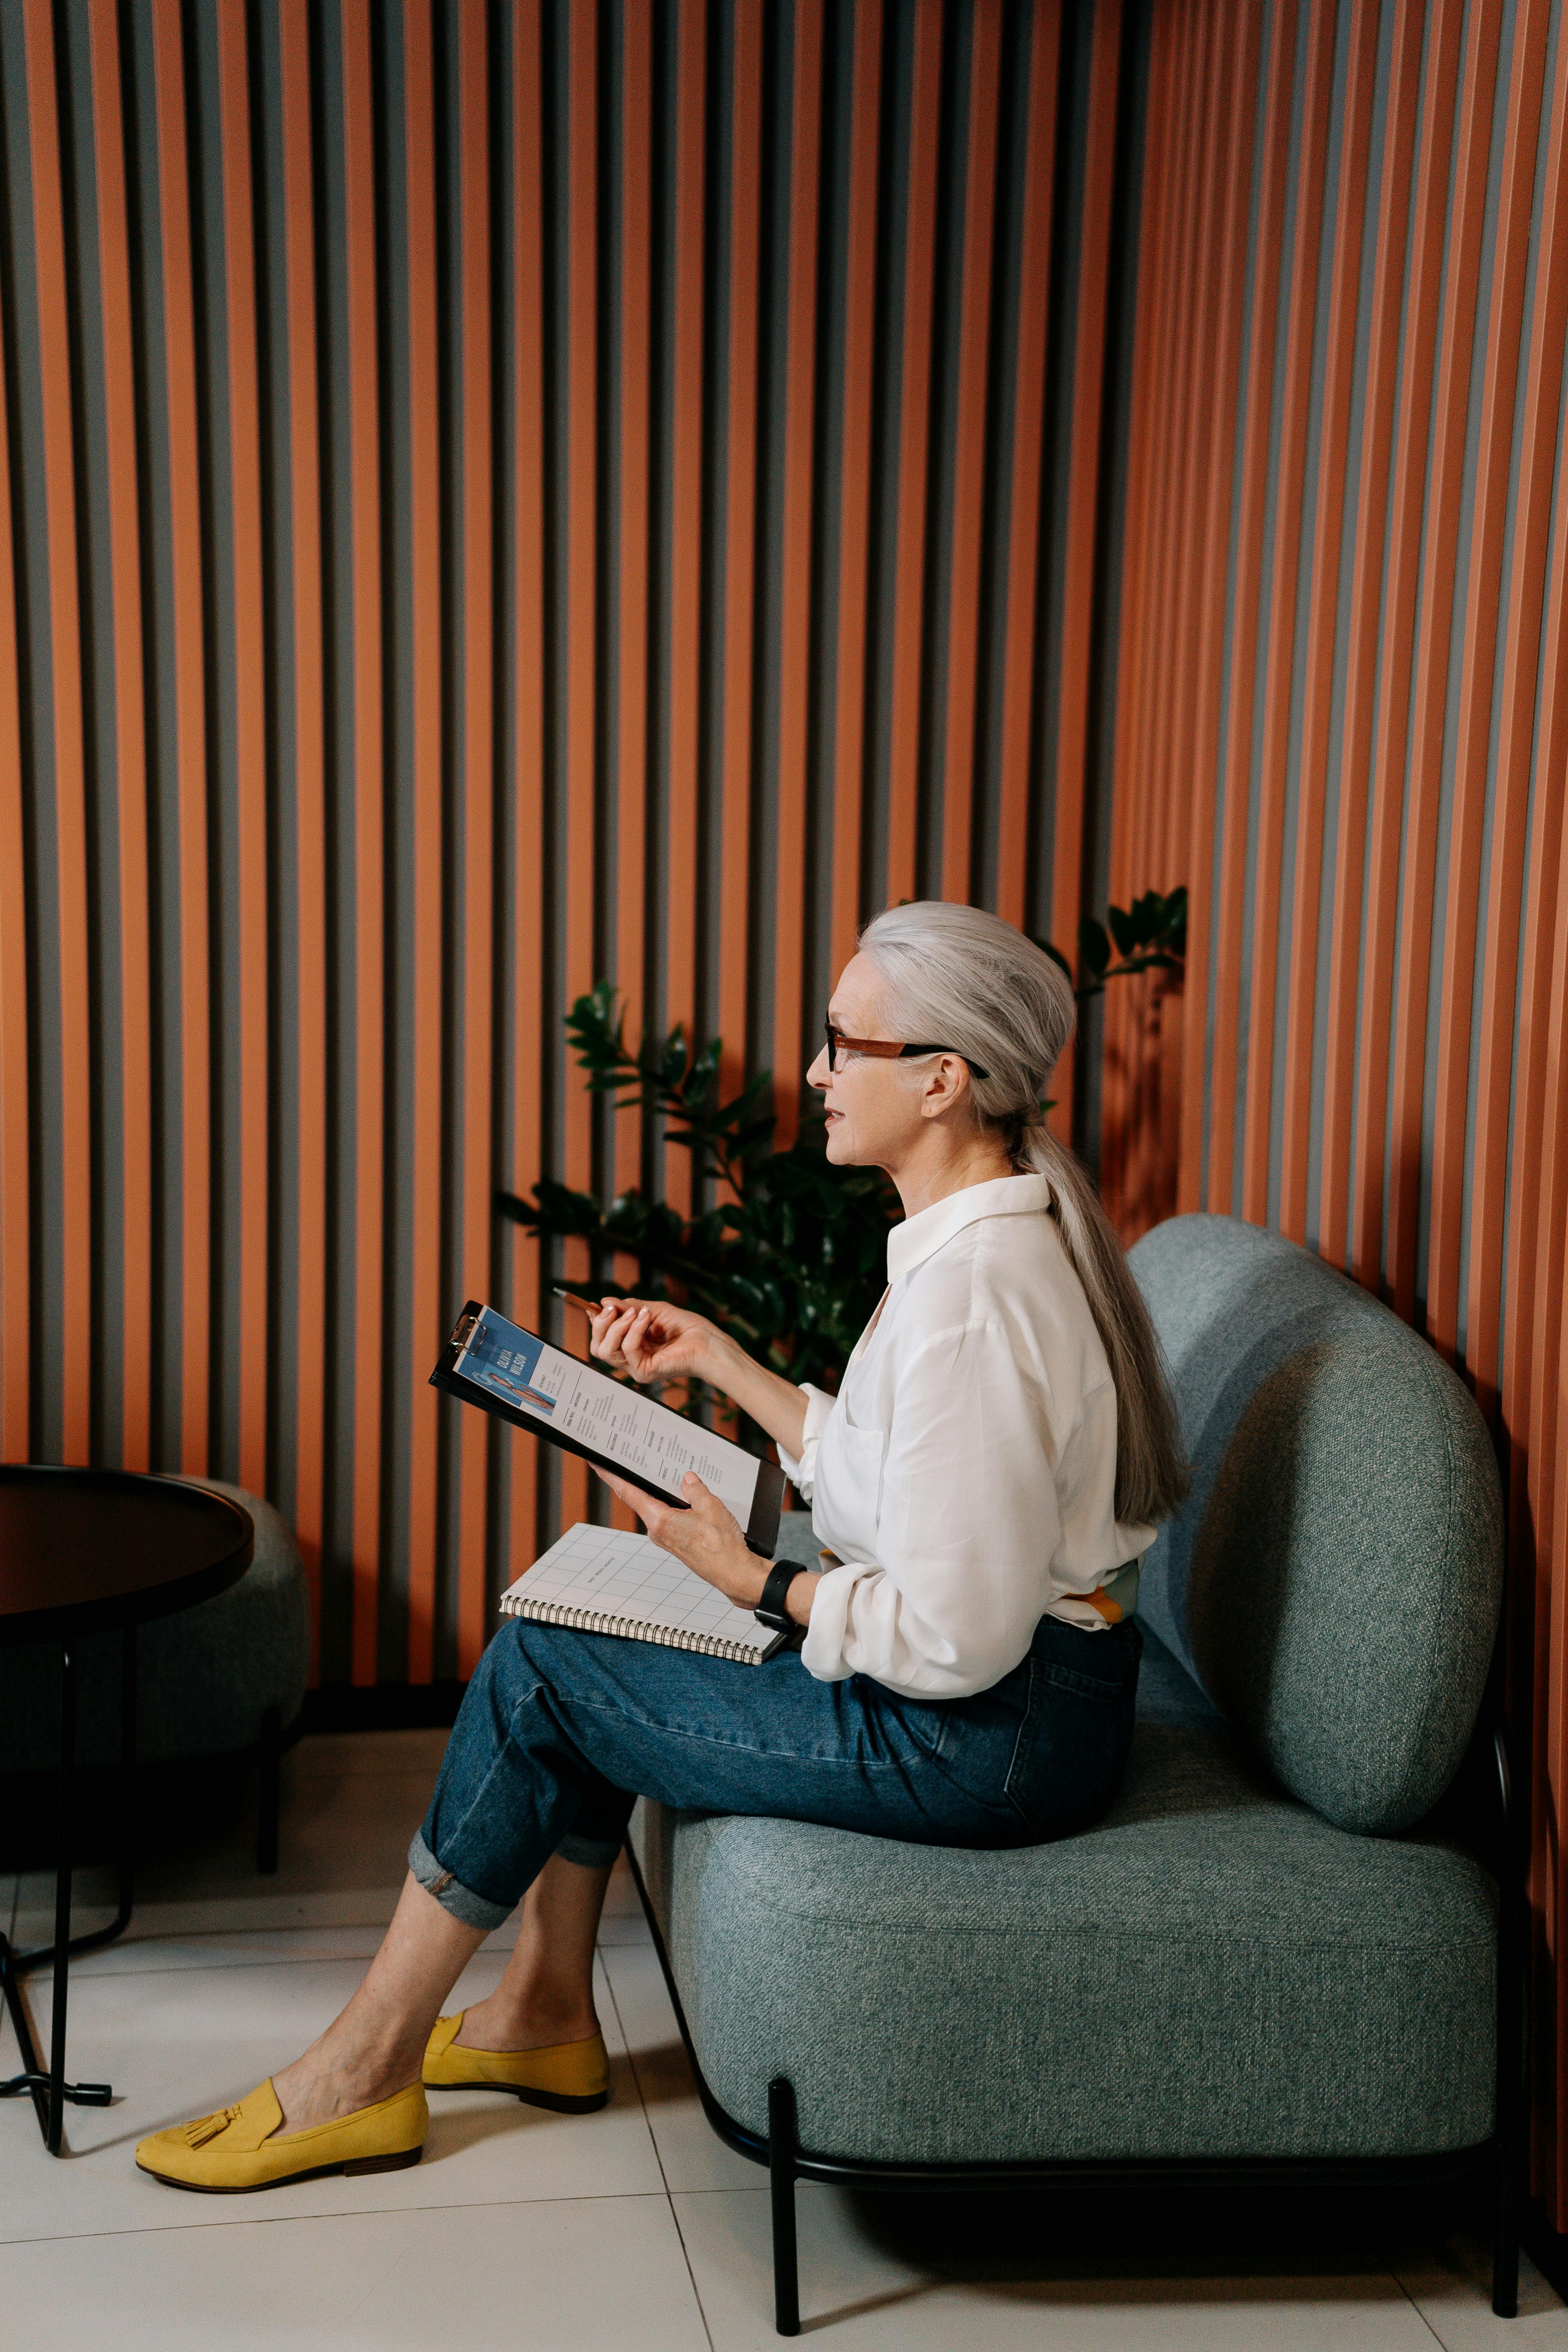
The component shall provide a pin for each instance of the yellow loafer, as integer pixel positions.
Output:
(241, 2148)
(572, 2079)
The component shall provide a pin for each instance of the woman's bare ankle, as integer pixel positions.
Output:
(322, 2086)
(538, 2022)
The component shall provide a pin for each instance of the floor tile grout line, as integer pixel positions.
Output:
(353, 2214)
(1415, 2307)
(657, 2152)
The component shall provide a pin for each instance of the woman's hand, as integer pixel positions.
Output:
(706, 1536)
(653, 1340)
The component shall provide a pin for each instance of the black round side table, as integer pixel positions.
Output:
(85, 1551)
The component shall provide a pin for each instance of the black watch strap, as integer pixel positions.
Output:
(770, 1609)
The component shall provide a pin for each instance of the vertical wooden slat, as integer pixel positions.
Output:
(1467, 823)
(1527, 662)
(1195, 33)
(428, 946)
(188, 634)
(685, 673)
(1240, 126)
(250, 740)
(1138, 1009)
(1444, 495)
(1018, 664)
(794, 592)
(364, 571)
(309, 811)
(1424, 279)
(1237, 756)
(581, 564)
(1178, 1111)
(528, 783)
(133, 1142)
(1137, 550)
(1323, 612)
(1174, 459)
(631, 645)
(479, 775)
(1360, 689)
(72, 1179)
(855, 481)
(15, 1308)
(1289, 471)
(582, 643)
(1074, 651)
(1157, 788)
(740, 535)
(1534, 1160)
(908, 652)
(969, 450)
(1544, 1508)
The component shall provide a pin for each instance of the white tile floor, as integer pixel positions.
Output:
(634, 2230)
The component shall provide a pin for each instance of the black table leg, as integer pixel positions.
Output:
(51, 2115)
(43, 1955)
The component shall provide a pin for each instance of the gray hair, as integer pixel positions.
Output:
(959, 974)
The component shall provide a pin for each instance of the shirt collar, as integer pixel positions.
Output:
(910, 1243)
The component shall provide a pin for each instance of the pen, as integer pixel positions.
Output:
(572, 1300)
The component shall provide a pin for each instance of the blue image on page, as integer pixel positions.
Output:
(502, 1359)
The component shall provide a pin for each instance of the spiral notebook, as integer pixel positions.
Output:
(603, 1580)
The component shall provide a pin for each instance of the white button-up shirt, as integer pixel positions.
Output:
(964, 1475)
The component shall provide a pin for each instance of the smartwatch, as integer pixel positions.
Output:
(770, 1609)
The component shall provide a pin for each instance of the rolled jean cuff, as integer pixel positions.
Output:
(473, 1910)
(593, 1853)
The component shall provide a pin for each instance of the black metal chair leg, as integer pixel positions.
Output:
(1512, 2045)
(270, 1751)
(62, 1899)
(781, 2182)
(127, 1780)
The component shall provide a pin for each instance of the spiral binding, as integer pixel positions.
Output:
(670, 1637)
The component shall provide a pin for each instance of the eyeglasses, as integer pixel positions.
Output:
(885, 1049)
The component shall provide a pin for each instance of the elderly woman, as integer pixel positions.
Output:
(982, 1487)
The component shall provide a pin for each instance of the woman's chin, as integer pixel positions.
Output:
(836, 1143)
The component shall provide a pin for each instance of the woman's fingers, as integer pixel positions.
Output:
(652, 1513)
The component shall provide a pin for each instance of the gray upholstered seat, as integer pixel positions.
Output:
(1220, 1968)
(205, 1676)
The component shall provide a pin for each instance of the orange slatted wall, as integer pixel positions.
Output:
(498, 494)
(1346, 731)
(490, 496)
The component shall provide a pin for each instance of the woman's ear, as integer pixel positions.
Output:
(946, 1081)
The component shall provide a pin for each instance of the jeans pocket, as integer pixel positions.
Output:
(1072, 1678)
(1071, 1747)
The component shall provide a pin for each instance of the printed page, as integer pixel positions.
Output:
(617, 1422)
(623, 1575)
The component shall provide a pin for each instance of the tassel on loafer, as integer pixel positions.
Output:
(572, 2079)
(241, 2148)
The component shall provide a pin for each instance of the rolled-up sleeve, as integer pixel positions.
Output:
(801, 1472)
(968, 1522)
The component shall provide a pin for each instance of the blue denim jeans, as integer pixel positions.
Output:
(560, 1732)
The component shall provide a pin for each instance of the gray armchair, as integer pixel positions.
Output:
(1269, 1963)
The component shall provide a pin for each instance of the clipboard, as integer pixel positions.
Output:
(761, 1527)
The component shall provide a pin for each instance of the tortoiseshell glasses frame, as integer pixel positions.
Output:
(885, 1048)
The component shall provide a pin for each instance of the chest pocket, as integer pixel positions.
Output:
(850, 1488)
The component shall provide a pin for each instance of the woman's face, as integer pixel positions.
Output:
(875, 1106)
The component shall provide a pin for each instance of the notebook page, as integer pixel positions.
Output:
(624, 1575)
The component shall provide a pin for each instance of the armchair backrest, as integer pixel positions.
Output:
(1334, 1578)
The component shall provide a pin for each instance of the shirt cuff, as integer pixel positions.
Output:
(800, 1474)
(827, 1635)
